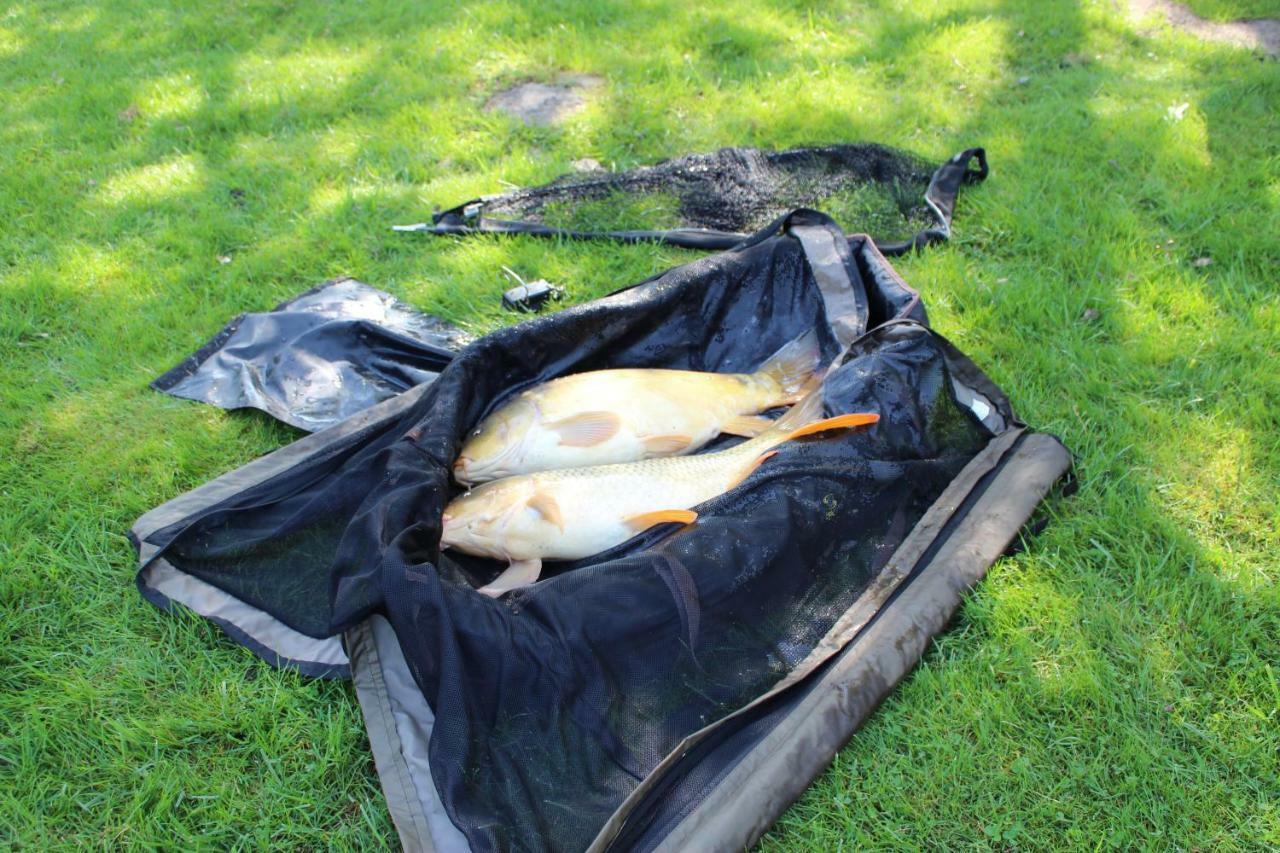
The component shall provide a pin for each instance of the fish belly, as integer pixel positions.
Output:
(596, 509)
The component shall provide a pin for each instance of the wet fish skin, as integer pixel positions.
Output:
(625, 415)
(574, 513)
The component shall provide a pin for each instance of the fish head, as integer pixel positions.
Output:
(494, 448)
(501, 520)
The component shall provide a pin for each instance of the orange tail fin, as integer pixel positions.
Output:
(645, 520)
(838, 422)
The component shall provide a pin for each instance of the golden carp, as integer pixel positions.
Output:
(607, 416)
(573, 513)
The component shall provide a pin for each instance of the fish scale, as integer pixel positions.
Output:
(573, 513)
(629, 414)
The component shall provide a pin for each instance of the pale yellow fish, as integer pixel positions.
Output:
(625, 415)
(573, 513)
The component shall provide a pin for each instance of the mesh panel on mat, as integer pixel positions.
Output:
(552, 703)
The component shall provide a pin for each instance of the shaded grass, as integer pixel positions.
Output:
(616, 211)
(1115, 684)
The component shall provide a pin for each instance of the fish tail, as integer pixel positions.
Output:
(806, 418)
(793, 365)
(803, 413)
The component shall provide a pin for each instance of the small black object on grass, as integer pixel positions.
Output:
(529, 296)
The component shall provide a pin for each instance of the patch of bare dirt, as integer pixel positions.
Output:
(1258, 34)
(542, 103)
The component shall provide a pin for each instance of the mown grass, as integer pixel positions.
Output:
(1234, 10)
(1116, 684)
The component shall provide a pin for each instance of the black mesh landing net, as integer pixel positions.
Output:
(553, 702)
(713, 201)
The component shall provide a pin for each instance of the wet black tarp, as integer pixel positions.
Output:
(554, 702)
(317, 358)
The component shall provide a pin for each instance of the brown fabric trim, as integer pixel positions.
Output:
(843, 300)
(778, 769)
(400, 722)
(384, 741)
(899, 566)
(904, 559)
(263, 630)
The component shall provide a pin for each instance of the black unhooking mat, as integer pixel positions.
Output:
(681, 689)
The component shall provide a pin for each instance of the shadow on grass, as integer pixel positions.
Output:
(1122, 658)
(1124, 655)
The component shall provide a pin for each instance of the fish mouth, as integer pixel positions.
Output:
(470, 472)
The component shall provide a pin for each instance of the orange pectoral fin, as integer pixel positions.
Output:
(586, 429)
(838, 422)
(546, 506)
(756, 463)
(666, 445)
(645, 520)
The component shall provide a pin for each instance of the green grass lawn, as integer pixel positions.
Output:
(1117, 684)
(1234, 10)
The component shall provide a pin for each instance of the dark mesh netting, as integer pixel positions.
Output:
(736, 189)
(713, 200)
(555, 701)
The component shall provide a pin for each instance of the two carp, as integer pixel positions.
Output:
(579, 464)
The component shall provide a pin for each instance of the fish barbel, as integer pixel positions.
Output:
(624, 415)
(573, 513)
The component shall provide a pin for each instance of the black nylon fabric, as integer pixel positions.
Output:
(318, 358)
(553, 702)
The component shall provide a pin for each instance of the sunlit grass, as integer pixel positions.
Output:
(1116, 684)
(1233, 10)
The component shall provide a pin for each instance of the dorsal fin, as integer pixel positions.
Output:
(790, 366)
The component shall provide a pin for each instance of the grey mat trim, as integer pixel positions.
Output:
(845, 302)
(399, 724)
(263, 634)
(778, 769)
(865, 609)
(217, 490)
(163, 584)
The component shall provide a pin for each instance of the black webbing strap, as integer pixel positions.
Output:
(940, 197)
(453, 222)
